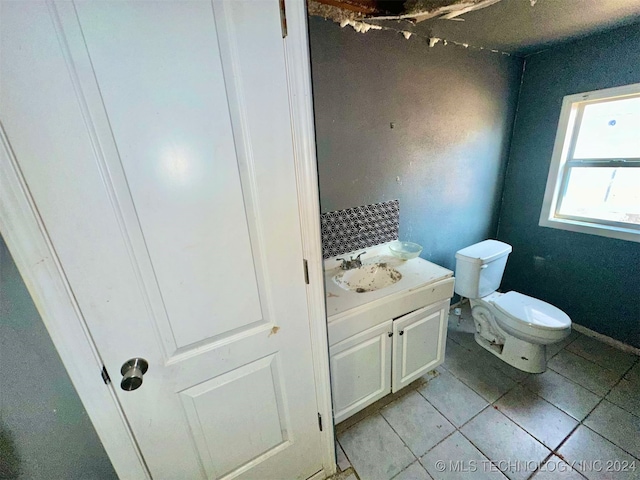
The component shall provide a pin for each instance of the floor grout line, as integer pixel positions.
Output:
(476, 391)
(546, 460)
(459, 429)
(590, 361)
(415, 457)
(406, 391)
(596, 406)
(553, 452)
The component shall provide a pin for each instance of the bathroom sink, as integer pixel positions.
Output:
(367, 278)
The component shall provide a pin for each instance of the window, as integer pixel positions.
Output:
(594, 178)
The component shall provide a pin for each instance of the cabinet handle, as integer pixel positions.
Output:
(390, 334)
(401, 332)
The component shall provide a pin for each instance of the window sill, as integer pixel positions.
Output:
(591, 228)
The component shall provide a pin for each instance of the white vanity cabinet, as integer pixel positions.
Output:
(361, 370)
(418, 343)
(380, 346)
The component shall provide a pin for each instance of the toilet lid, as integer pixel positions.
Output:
(532, 311)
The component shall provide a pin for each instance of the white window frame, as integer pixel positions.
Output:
(561, 161)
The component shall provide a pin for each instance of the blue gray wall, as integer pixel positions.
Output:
(45, 432)
(452, 110)
(596, 280)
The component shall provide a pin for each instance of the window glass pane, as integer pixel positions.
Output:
(603, 193)
(610, 130)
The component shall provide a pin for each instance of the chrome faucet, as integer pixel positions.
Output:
(351, 263)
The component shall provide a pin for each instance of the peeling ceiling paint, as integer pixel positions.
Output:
(420, 10)
(517, 27)
(414, 11)
(359, 14)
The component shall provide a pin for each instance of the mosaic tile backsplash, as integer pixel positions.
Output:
(359, 227)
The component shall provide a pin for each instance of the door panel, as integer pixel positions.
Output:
(180, 161)
(360, 370)
(418, 343)
(227, 403)
(156, 141)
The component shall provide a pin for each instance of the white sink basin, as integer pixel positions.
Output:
(367, 278)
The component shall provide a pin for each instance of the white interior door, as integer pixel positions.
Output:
(155, 139)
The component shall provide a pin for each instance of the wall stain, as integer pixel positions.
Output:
(10, 463)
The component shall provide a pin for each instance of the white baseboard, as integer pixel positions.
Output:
(604, 339)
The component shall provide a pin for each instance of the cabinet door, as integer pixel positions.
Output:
(361, 370)
(418, 343)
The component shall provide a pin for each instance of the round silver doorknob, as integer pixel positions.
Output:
(132, 372)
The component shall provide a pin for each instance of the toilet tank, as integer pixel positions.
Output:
(479, 268)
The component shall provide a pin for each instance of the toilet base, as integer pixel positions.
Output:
(525, 356)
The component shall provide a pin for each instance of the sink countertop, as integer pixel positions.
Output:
(416, 272)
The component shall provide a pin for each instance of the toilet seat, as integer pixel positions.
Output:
(530, 319)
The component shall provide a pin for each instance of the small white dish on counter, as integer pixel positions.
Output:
(405, 250)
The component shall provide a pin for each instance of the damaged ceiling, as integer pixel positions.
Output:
(512, 26)
(414, 11)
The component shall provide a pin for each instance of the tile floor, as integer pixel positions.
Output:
(477, 417)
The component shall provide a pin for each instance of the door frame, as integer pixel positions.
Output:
(33, 252)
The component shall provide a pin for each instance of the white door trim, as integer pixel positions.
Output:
(301, 104)
(37, 261)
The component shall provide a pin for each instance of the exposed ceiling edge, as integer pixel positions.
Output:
(331, 12)
(360, 21)
(418, 14)
(414, 11)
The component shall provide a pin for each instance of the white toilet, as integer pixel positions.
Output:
(512, 326)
